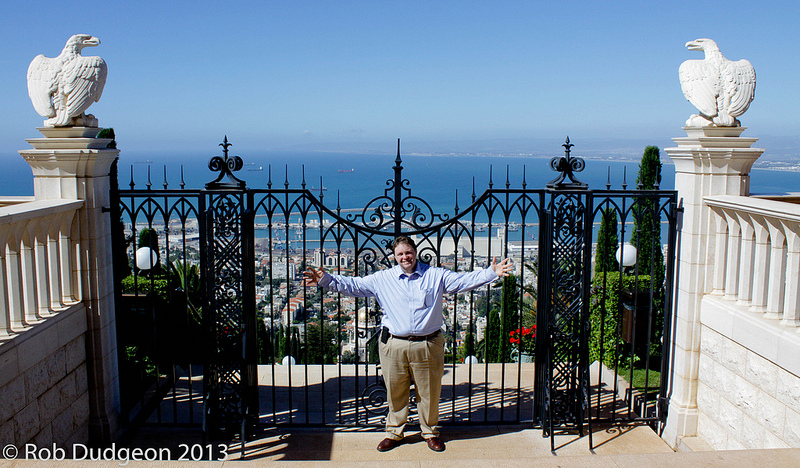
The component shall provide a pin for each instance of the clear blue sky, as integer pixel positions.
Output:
(290, 74)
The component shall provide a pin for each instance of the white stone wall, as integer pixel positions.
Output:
(745, 401)
(44, 391)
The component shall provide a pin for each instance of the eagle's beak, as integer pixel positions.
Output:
(693, 45)
(92, 42)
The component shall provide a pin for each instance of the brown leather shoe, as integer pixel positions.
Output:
(435, 444)
(388, 444)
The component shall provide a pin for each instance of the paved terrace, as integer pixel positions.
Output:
(481, 445)
(496, 446)
(473, 445)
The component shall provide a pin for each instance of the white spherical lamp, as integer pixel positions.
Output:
(146, 258)
(288, 360)
(626, 255)
(470, 360)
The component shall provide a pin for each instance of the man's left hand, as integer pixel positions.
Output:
(503, 268)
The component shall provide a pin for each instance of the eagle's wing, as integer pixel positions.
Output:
(83, 82)
(700, 85)
(741, 79)
(42, 83)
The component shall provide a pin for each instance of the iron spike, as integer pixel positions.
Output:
(148, 177)
(508, 184)
(165, 177)
(183, 182)
(624, 178)
(132, 184)
(524, 181)
(473, 189)
(398, 161)
(608, 179)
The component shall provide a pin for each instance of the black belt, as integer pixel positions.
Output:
(418, 337)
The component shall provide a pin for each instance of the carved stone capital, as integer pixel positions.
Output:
(64, 160)
(714, 151)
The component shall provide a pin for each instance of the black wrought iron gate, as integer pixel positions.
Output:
(222, 302)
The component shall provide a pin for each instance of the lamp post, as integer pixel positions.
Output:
(146, 258)
(634, 304)
(626, 255)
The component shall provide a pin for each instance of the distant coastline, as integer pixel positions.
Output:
(432, 174)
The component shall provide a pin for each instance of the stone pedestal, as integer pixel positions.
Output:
(71, 163)
(708, 161)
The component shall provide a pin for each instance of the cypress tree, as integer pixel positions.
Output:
(510, 315)
(148, 238)
(649, 169)
(320, 343)
(468, 348)
(492, 337)
(264, 343)
(280, 344)
(646, 236)
(605, 254)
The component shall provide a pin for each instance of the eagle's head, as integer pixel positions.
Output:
(706, 45)
(79, 41)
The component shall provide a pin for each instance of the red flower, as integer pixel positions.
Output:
(524, 337)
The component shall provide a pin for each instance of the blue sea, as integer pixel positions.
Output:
(352, 180)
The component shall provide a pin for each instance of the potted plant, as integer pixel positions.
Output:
(522, 343)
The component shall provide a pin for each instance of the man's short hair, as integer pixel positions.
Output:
(403, 240)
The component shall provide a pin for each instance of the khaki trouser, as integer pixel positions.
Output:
(402, 360)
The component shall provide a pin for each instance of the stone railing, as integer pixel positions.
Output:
(756, 255)
(38, 261)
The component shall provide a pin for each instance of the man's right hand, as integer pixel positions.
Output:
(313, 276)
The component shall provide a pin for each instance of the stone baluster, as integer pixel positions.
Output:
(717, 275)
(68, 263)
(42, 272)
(5, 310)
(53, 267)
(777, 269)
(791, 304)
(15, 282)
(28, 274)
(759, 301)
(732, 261)
(746, 263)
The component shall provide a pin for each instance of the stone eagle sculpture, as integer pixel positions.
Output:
(719, 88)
(62, 88)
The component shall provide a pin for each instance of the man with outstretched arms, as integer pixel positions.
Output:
(412, 344)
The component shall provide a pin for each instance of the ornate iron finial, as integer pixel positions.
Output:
(566, 165)
(226, 166)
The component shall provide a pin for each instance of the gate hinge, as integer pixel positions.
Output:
(663, 406)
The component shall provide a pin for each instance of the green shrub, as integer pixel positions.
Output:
(144, 285)
(605, 314)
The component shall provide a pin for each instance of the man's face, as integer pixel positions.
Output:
(406, 257)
